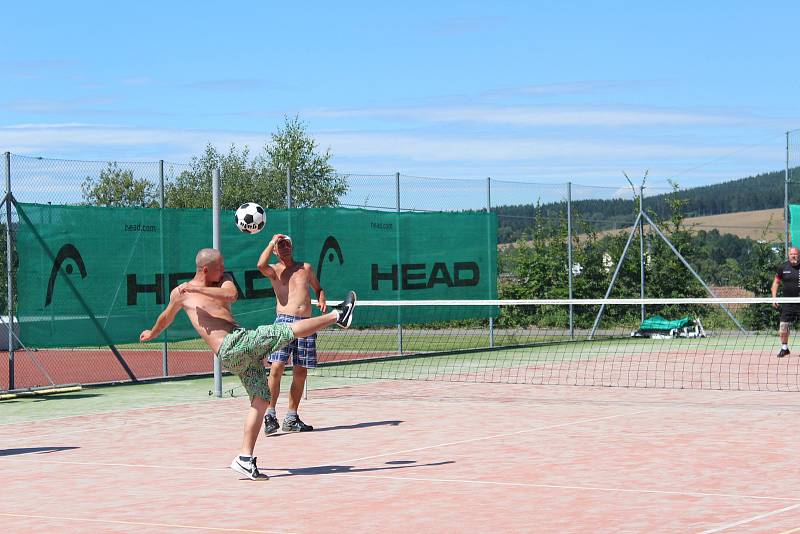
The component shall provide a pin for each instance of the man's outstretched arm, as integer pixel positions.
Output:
(165, 318)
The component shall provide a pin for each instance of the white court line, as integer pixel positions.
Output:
(128, 424)
(140, 523)
(518, 432)
(582, 488)
(494, 436)
(750, 519)
(135, 466)
(156, 407)
(450, 481)
(508, 484)
(393, 453)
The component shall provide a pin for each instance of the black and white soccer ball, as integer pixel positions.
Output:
(250, 218)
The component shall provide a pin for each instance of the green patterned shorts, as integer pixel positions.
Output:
(242, 350)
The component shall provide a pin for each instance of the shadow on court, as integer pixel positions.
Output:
(335, 469)
(34, 450)
(344, 427)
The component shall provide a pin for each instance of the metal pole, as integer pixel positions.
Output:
(289, 188)
(399, 282)
(289, 199)
(569, 259)
(165, 281)
(614, 277)
(490, 244)
(9, 277)
(641, 247)
(215, 194)
(289, 231)
(786, 202)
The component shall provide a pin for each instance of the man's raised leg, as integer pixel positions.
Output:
(341, 316)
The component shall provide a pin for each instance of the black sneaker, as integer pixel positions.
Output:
(346, 310)
(270, 424)
(247, 468)
(783, 352)
(296, 425)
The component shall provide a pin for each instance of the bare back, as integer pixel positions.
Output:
(291, 289)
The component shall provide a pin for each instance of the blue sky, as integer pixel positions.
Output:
(700, 92)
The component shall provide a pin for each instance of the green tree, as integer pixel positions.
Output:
(262, 179)
(242, 181)
(314, 181)
(763, 260)
(118, 187)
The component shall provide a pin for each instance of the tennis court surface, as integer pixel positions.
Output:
(405, 456)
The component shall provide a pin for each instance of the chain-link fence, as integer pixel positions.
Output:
(562, 215)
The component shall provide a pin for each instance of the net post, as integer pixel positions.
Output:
(397, 242)
(215, 194)
(686, 263)
(164, 348)
(9, 276)
(489, 250)
(616, 273)
(569, 259)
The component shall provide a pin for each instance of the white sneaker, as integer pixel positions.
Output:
(248, 469)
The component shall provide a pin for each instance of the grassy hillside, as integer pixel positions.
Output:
(754, 193)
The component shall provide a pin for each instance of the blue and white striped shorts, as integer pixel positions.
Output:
(303, 350)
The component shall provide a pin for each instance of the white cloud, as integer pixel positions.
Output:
(453, 148)
(420, 147)
(535, 116)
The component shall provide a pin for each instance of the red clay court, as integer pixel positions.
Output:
(406, 456)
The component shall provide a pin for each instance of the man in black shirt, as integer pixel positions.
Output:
(789, 275)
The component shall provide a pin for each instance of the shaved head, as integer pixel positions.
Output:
(206, 257)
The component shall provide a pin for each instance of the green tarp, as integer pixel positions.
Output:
(658, 323)
(123, 262)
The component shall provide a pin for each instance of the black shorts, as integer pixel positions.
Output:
(790, 313)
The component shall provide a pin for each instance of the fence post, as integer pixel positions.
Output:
(165, 281)
(9, 277)
(490, 244)
(641, 247)
(569, 259)
(289, 199)
(786, 203)
(215, 193)
(397, 244)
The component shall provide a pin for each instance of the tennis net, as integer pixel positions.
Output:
(697, 343)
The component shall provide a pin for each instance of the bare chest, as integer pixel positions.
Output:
(292, 278)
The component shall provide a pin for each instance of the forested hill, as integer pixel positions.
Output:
(752, 193)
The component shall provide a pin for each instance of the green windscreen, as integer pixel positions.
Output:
(88, 274)
(794, 224)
